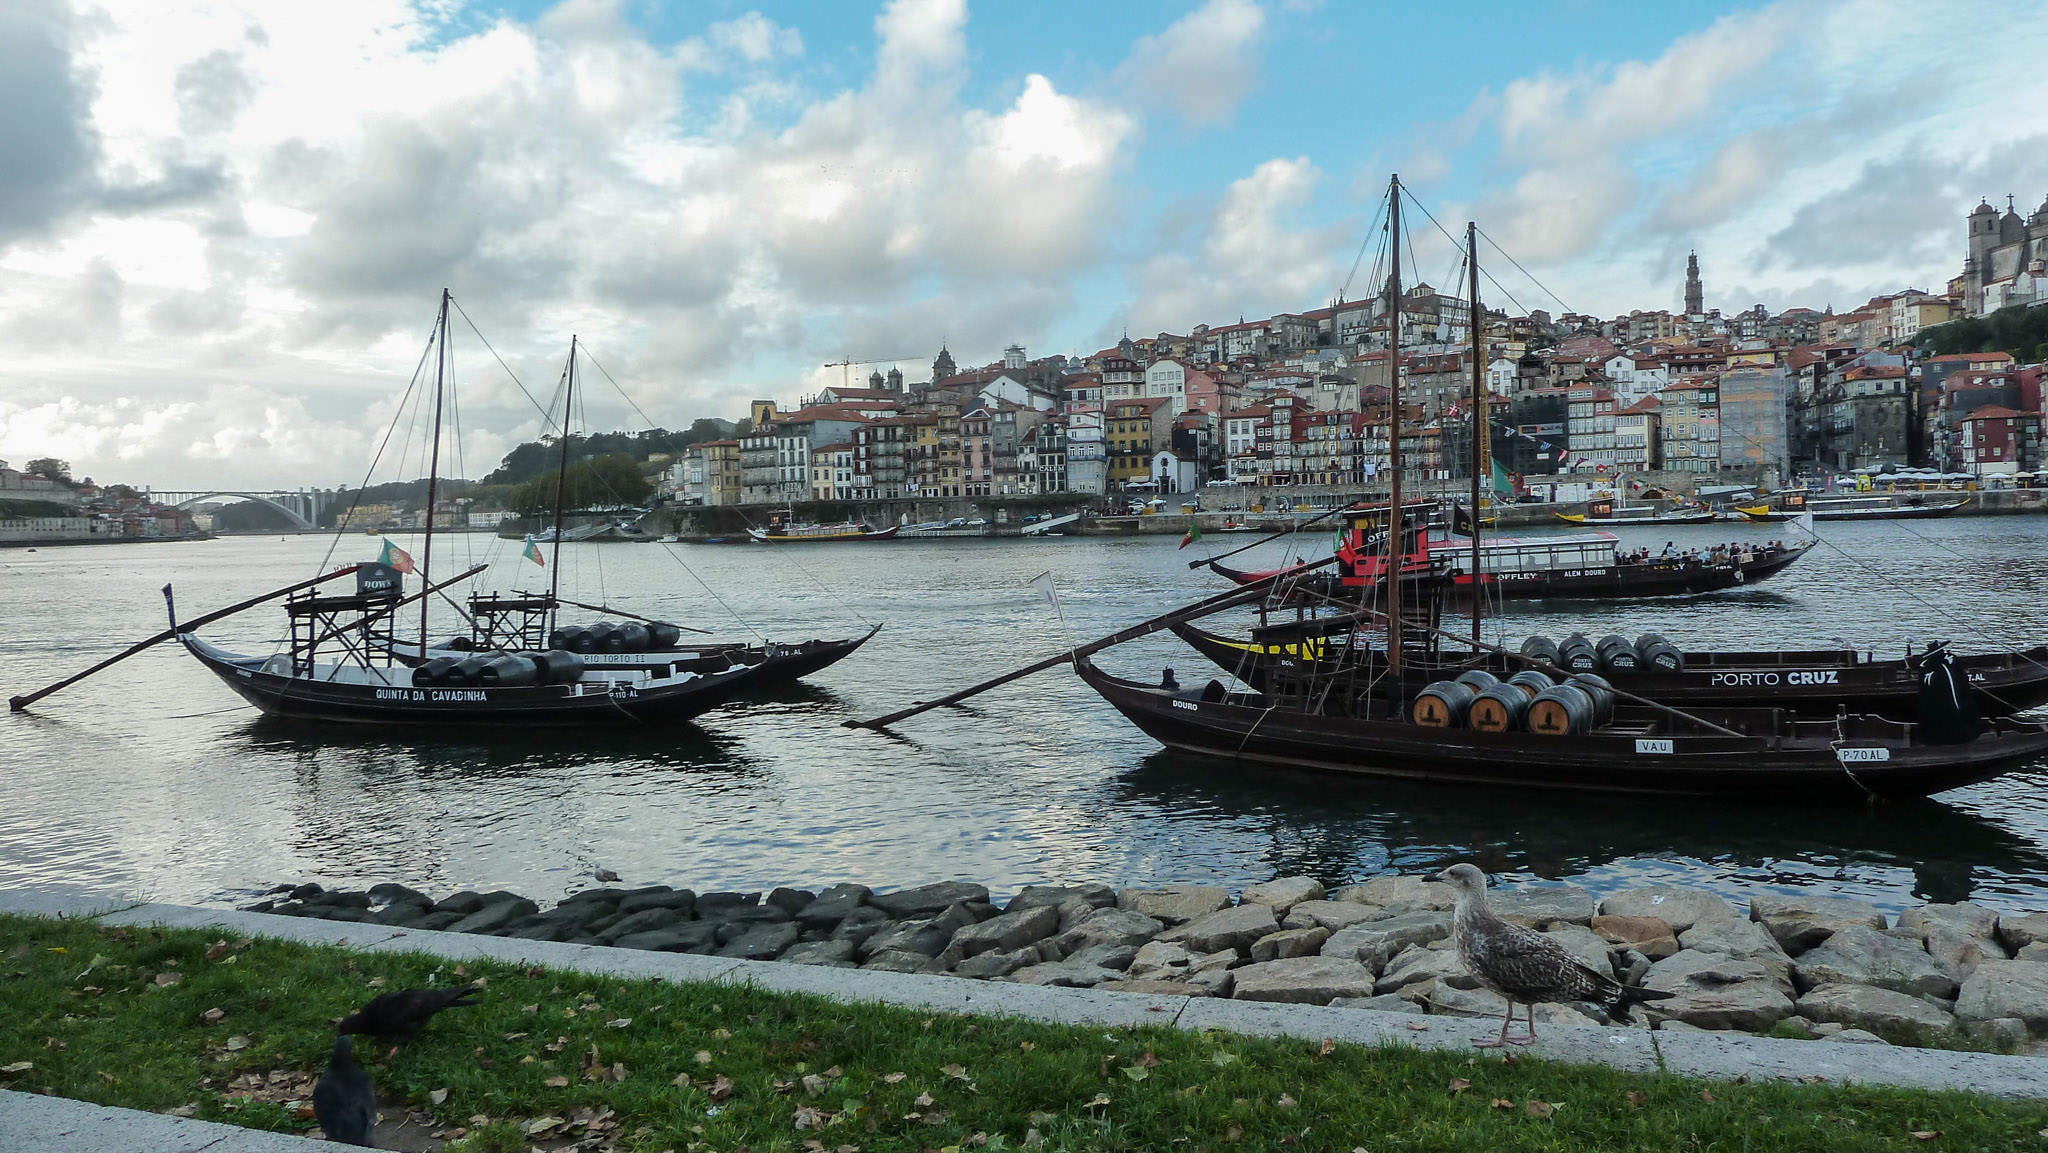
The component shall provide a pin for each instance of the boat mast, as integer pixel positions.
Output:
(1481, 419)
(434, 464)
(561, 483)
(1394, 547)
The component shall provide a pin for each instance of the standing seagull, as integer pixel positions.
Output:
(405, 1012)
(344, 1102)
(1522, 964)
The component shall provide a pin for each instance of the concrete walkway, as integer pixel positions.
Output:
(33, 1122)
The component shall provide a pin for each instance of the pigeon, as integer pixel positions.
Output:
(344, 1102)
(405, 1012)
(1522, 964)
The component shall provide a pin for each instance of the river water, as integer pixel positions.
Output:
(151, 780)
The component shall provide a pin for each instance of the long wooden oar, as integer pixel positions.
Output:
(18, 704)
(630, 616)
(1243, 594)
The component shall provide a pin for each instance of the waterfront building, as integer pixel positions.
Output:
(1689, 433)
(1087, 453)
(1589, 428)
(1136, 429)
(832, 471)
(1752, 419)
(1636, 447)
(1999, 441)
(2006, 259)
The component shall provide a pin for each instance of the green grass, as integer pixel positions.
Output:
(121, 1016)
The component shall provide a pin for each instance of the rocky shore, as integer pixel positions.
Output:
(1828, 968)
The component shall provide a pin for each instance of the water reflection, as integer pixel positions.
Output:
(507, 755)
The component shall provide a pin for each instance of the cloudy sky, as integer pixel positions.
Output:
(224, 226)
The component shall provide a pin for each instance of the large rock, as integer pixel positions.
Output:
(1374, 943)
(926, 900)
(831, 907)
(688, 937)
(389, 893)
(1417, 964)
(1801, 921)
(1233, 928)
(1283, 893)
(1331, 915)
(900, 961)
(1734, 936)
(1380, 1003)
(860, 924)
(1302, 980)
(2006, 989)
(926, 937)
(1679, 907)
(1400, 894)
(495, 915)
(1713, 991)
(1086, 969)
(1884, 1012)
(1650, 936)
(720, 905)
(1005, 932)
(762, 942)
(1959, 937)
(1289, 943)
(1542, 906)
(987, 965)
(2015, 932)
(1107, 926)
(1860, 955)
(681, 900)
(1170, 960)
(1175, 904)
(1592, 951)
(646, 920)
(1053, 896)
(837, 954)
(1448, 1000)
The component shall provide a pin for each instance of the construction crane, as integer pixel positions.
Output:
(845, 367)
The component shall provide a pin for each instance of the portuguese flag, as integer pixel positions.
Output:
(1194, 534)
(396, 557)
(532, 552)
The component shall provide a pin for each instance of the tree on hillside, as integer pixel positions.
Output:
(50, 468)
(609, 481)
(2019, 330)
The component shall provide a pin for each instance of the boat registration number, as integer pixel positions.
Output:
(1653, 745)
(1847, 756)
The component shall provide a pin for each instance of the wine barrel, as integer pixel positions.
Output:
(1531, 681)
(663, 636)
(1500, 709)
(509, 670)
(1616, 654)
(1478, 680)
(558, 667)
(584, 640)
(465, 671)
(432, 672)
(1577, 654)
(563, 636)
(1561, 710)
(1602, 694)
(626, 638)
(1442, 704)
(1540, 648)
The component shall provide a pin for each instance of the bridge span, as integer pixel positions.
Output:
(302, 507)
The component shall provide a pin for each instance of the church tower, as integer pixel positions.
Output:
(943, 366)
(1695, 293)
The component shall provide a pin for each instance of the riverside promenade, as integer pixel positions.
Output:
(33, 1122)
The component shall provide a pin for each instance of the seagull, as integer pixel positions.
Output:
(1522, 964)
(405, 1012)
(605, 876)
(344, 1102)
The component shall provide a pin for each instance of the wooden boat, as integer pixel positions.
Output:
(781, 533)
(1870, 506)
(1608, 514)
(1765, 754)
(344, 664)
(1808, 683)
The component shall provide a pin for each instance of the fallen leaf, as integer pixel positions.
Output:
(721, 1087)
(1137, 1072)
(1033, 1138)
(540, 1125)
(957, 1072)
(1328, 1047)
(1926, 1134)
(1026, 1046)
(1636, 1097)
(534, 1008)
(560, 1082)
(923, 1101)
(1707, 1096)
(166, 980)
(814, 1084)
(703, 1056)
(1460, 1084)
(515, 1036)
(1234, 1133)
(1503, 1103)
(376, 983)
(1539, 1108)
(1223, 1057)
(1147, 1060)
(618, 1022)
(618, 1072)
(1286, 1102)
(237, 1043)
(1417, 1027)
(437, 1096)
(809, 1117)
(892, 1078)
(1100, 1099)
(212, 1016)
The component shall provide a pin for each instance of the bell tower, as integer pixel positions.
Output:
(1695, 293)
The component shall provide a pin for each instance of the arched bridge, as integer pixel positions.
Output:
(302, 507)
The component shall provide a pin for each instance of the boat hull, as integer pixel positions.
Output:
(1251, 730)
(1653, 578)
(595, 700)
(1808, 683)
(801, 536)
(775, 663)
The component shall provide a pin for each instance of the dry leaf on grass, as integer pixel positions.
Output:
(563, 1082)
(1926, 1134)
(1503, 1103)
(721, 1087)
(1459, 1084)
(1539, 1108)
(1636, 1097)
(212, 1016)
(892, 1078)
(1707, 1096)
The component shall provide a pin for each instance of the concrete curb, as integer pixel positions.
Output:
(61, 1125)
(1711, 1056)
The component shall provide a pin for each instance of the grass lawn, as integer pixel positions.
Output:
(233, 1030)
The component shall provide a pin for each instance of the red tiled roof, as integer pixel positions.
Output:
(1993, 412)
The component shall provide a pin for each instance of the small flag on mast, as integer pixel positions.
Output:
(532, 552)
(396, 557)
(1194, 534)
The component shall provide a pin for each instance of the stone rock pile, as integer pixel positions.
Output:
(1816, 966)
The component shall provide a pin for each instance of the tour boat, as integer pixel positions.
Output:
(1869, 506)
(1608, 514)
(780, 532)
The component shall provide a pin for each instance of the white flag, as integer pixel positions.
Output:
(1804, 523)
(1043, 583)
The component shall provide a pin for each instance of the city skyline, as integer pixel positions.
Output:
(226, 229)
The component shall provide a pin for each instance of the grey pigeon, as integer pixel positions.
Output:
(1522, 964)
(344, 1102)
(405, 1012)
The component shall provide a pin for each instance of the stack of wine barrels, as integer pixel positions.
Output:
(1529, 700)
(1580, 705)
(615, 637)
(500, 669)
(1612, 654)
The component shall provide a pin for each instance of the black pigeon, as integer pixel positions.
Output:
(1522, 964)
(344, 1102)
(405, 1012)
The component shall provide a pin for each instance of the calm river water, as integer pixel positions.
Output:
(151, 780)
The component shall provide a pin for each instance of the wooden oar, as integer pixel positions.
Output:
(630, 616)
(18, 704)
(1243, 594)
(1194, 564)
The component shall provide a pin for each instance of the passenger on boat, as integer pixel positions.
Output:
(1670, 550)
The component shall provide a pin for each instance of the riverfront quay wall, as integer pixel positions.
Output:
(1799, 965)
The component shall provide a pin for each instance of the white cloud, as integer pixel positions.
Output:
(1246, 261)
(1204, 64)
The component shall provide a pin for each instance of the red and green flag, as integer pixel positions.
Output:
(532, 552)
(396, 557)
(1194, 534)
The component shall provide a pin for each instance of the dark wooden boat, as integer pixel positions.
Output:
(1808, 683)
(1641, 751)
